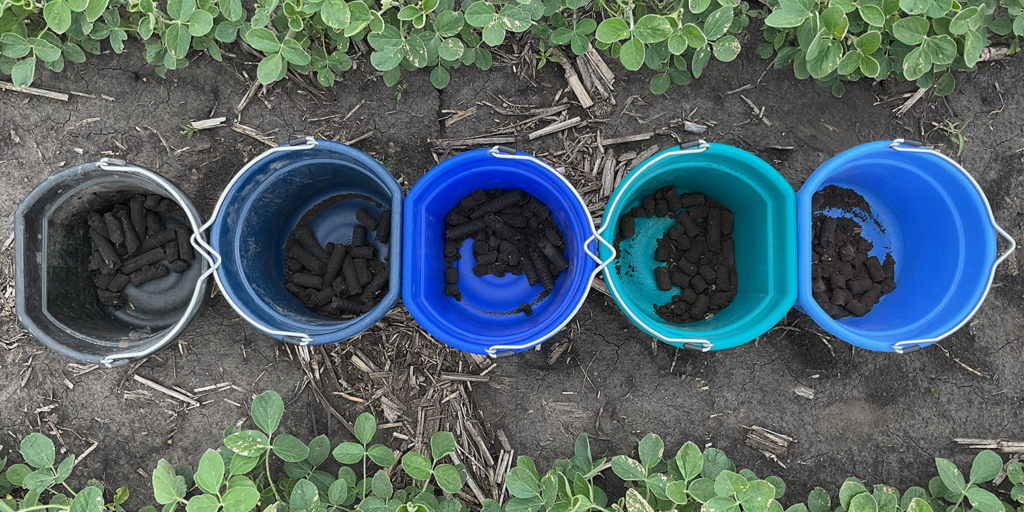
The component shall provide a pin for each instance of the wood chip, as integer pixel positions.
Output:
(459, 116)
(555, 127)
(7, 86)
(608, 175)
(206, 124)
(252, 132)
(902, 109)
(573, 79)
(992, 444)
(628, 138)
(464, 377)
(470, 143)
(165, 390)
(805, 392)
(766, 441)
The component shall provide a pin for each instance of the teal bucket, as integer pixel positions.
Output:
(764, 233)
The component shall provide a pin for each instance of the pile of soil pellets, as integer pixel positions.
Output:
(698, 251)
(132, 246)
(845, 279)
(513, 232)
(339, 280)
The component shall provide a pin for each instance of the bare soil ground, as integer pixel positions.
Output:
(882, 417)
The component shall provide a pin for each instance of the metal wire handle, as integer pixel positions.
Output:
(510, 154)
(903, 347)
(208, 252)
(111, 164)
(689, 148)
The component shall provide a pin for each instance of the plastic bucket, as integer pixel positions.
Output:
(938, 226)
(481, 324)
(54, 292)
(262, 205)
(764, 232)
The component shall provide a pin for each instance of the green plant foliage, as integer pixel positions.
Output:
(238, 477)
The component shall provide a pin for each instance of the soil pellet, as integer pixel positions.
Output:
(147, 258)
(662, 278)
(688, 224)
(723, 278)
(828, 232)
(888, 285)
(348, 269)
(383, 233)
(307, 280)
(375, 285)
(293, 265)
(103, 281)
(311, 244)
(358, 235)
(558, 262)
(347, 307)
(452, 290)
(179, 266)
(857, 286)
(159, 239)
(698, 212)
(109, 298)
(627, 227)
(339, 286)
(152, 201)
(334, 263)
(366, 252)
(487, 258)
(714, 230)
(837, 280)
(543, 271)
(367, 219)
(114, 230)
(106, 250)
(661, 208)
(165, 206)
(661, 253)
(874, 268)
(857, 308)
(147, 274)
(499, 203)
(451, 275)
(464, 231)
(840, 297)
(185, 244)
(95, 260)
(362, 271)
(690, 199)
(688, 296)
(481, 270)
(698, 284)
(532, 277)
(171, 250)
(138, 215)
(117, 282)
(476, 198)
(308, 260)
(700, 307)
(97, 222)
(672, 198)
(707, 273)
(456, 218)
(321, 297)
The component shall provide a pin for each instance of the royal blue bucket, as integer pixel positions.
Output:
(482, 323)
(262, 205)
(936, 223)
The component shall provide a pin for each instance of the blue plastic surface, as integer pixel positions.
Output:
(263, 207)
(764, 233)
(485, 317)
(935, 223)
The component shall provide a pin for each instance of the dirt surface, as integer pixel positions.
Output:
(881, 417)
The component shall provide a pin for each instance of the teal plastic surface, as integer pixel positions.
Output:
(764, 208)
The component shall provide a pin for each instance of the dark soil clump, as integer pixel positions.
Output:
(338, 280)
(130, 244)
(698, 251)
(845, 279)
(514, 233)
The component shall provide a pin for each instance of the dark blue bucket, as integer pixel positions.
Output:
(263, 204)
(936, 223)
(482, 323)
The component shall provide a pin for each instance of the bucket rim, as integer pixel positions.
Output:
(298, 333)
(704, 341)
(836, 164)
(160, 183)
(435, 177)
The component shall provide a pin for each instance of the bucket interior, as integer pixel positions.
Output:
(59, 298)
(264, 207)
(763, 233)
(935, 224)
(487, 315)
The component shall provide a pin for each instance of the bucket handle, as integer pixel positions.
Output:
(912, 146)
(502, 152)
(689, 148)
(215, 259)
(117, 165)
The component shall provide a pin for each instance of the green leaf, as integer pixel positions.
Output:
(632, 54)
(416, 465)
(38, 480)
(250, 443)
(304, 496)
(240, 464)
(448, 23)
(651, 29)
(336, 13)
(627, 468)
(689, 460)
(441, 444)
(728, 483)
(699, 6)
(522, 483)
(919, 505)
(1018, 30)
(287, 446)
(1015, 471)
(177, 40)
(961, 22)
(612, 30)
(819, 501)
(721, 504)
(851, 487)
(869, 42)
(231, 9)
(651, 446)
(694, 37)
(365, 428)
(381, 485)
(863, 502)
(915, 6)
(849, 63)
(834, 20)
(718, 23)
(200, 23)
(14, 45)
(943, 50)
(782, 18)
(349, 453)
(911, 30)
(95, 9)
(479, 14)
(37, 449)
(203, 503)
(89, 499)
(987, 464)
(677, 44)
(78, 5)
(676, 491)
(45, 50)
(66, 465)
(268, 407)
(164, 488)
(381, 455)
(319, 450)
(210, 475)
(715, 461)
(984, 501)
(659, 84)
(181, 10)
(869, 66)
(973, 46)
(449, 479)
(727, 48)
(57, 14)
(756, 497)
(827, 53)
(338, 492)
(702, 489)
(951, 477)
(268, 71)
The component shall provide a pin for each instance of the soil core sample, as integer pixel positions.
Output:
(132, 245)
(845, 279)
(698, 253)
(513, 232)
(338, 280)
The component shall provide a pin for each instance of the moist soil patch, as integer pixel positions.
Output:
(513, 233)
(339, 280)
